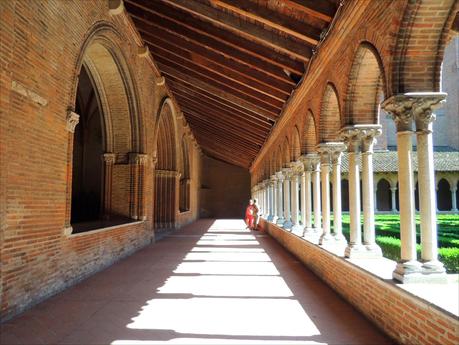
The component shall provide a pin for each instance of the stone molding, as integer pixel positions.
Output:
(143, 51)
(138, 158)
(72, 121)
(168, 173)
(109, 158)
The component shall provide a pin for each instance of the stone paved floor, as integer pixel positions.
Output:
(211, 282)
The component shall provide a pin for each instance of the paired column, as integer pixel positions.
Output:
(315, 164)
(393, 193)
(280, 198)
(306, 193)
(407, 109)
(287, 210)
(274, 214)
(361, 137)
(369, 234)
(297, 170)
(323, 150)
(453, 198)
(336, 155)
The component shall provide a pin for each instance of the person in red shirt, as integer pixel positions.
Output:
(250, 212)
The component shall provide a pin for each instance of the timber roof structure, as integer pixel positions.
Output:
(232, 64)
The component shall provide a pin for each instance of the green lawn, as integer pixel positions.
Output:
(388, 237)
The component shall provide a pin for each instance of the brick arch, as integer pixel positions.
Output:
(366, 80)
(296, 145)
(103, 67)
(309, 134)
(279, 161)
(330, 116)
(166, 138)
(420, 45)
(286, 153)
(117, 91)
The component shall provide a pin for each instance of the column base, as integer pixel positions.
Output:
(298, 229)
(340, 239)
(326, 239)
(312, 235)
(287, 224)
(270, 218)
(408, 272)
(273, 219)
(433, 267)
(354, 251)
(373, 250)
(280, 221)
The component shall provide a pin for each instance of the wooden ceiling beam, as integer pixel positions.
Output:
(219, 74)
(260, 100)
(224, 158)
(207, 108)
(199, 53)
(224, 125)
(300, 30)
(235, 99)
(181, 87)
(158, 14)
(245, 29)
(224, 149)
(322, 9)
(229, 142)
(224, 131)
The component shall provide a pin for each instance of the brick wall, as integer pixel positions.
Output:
(404, 317)
(43, 45)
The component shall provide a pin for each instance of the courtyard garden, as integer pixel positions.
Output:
(388, 237)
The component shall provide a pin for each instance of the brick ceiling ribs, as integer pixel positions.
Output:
(232, 64)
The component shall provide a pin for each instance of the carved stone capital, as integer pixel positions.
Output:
(331, 152)
(109, 158)
(413, 106)
(351, 137)
(138, 158)
(308, 160)
(72, 120)
(274, 178)
(280, 176)
(297, 168)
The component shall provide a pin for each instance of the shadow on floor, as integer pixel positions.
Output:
(211, 282)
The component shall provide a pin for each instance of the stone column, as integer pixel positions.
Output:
(375, 196)
(297, 170)
(274, 199)
(287, 210)
(280, 198)
(393, 193)
(408, 268)
(72, 121)
(368, 134)
(137, 206)
(337, 152)
(352, 139)
(324, 152)
(423, 106)
(315, 163)
(306, 194)
(108, 162)
(453, 190)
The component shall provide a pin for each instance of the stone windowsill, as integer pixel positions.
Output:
(68, 231)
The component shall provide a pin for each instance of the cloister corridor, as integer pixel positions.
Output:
(211, 282)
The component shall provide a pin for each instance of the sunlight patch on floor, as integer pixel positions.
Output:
(224, 292)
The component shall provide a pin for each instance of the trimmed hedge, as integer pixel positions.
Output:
(391, 250)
